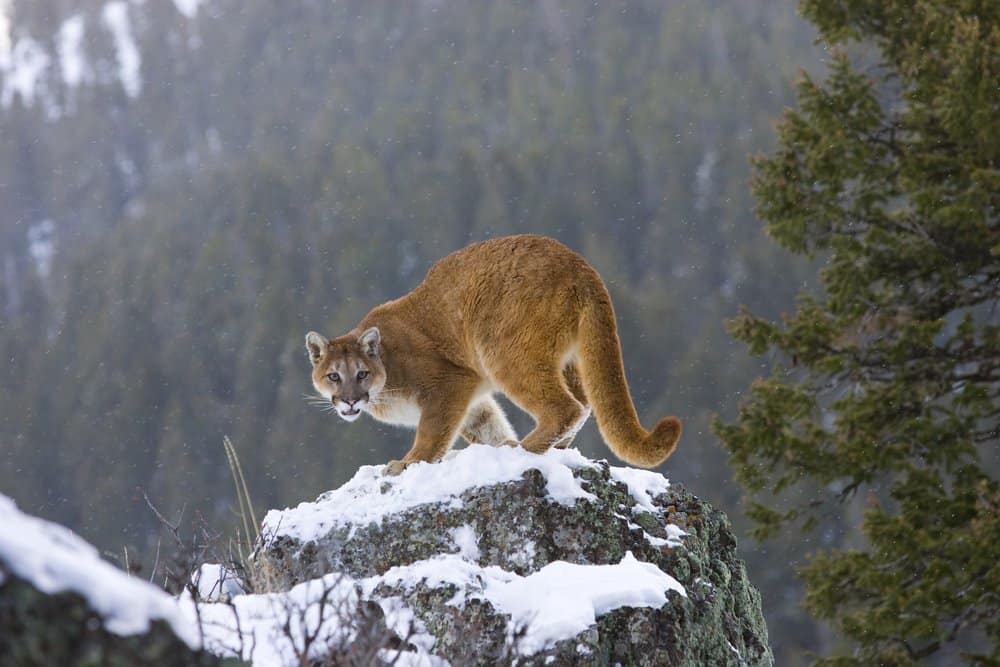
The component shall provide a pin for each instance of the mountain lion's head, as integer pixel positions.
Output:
(347, 371)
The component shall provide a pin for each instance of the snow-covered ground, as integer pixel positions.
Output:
(557, 602)
(426, 483)
(275, 629)
(55, 560)
(444, 482)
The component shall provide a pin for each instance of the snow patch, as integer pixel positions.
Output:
(69, 45)
(557, 602)
(272, 628)
(253, 627)
(675, 533)
(563, 599)
(525, 555)
(371, 495)
(41, 246)
(400, 619)
(23, 70)
(439, 571)
(188, 7)
(54, 559)
(115, 17)
(465, 539)
(410, 659)
(643, 486)
(216, 583)
(5, 40)
(672, 540)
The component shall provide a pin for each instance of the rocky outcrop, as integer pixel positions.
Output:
(493, 556)
(496, 553)
(37, 628)
(60, 604)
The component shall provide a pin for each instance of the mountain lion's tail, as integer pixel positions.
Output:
(603, 376)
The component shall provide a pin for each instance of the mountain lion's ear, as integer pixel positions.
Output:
(369, 341)
(316, 345)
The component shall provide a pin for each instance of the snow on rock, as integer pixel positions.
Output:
(309, 620)
(506, 555)
(425, 483)
(562, 599)
(253, 627)
(115, 17)
(675, 533)
(643, 485)
(215, 583)
(54, 559)
(494, 552)
(557, 602)
(465, 540)
(271, 630)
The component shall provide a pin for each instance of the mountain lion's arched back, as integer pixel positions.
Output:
(521, 315)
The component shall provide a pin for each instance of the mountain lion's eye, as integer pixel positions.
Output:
(334, 377)
(362, 375)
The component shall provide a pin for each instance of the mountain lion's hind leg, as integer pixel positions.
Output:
(571, 376)
(486, 424)
(558, 415)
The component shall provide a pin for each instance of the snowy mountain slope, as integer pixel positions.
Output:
(43, 63)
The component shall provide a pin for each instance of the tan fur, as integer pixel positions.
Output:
(522, 315)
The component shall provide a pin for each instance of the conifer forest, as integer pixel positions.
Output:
(794, 207)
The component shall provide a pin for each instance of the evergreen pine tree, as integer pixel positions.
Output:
(889, 389)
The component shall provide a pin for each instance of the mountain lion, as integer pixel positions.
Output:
(522, 315)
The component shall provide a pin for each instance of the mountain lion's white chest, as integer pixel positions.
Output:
(401, 411)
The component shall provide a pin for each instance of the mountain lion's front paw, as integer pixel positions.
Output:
(395, 467)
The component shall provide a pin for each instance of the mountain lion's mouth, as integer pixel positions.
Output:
(350, 412)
